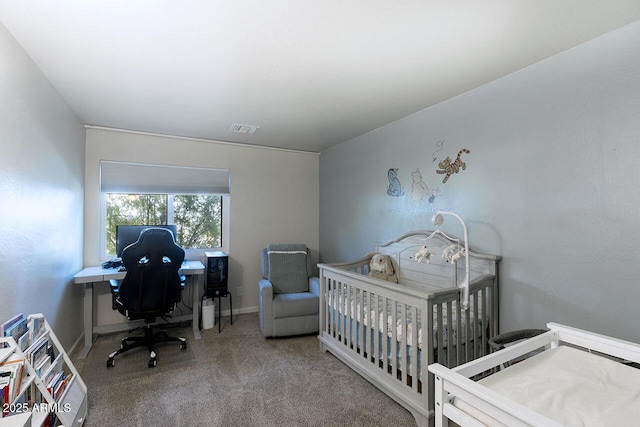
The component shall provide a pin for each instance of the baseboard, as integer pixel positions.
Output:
(124, 326)
(243, 310)
(75, 344)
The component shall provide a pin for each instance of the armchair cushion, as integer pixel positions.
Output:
(287, 268)
(295, 304)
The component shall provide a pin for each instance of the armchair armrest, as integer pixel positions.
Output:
(265, 301)
(265, 290)
(314, 285)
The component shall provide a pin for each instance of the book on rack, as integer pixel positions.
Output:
(33, 395)
(38, 351)
(35, 327)
(55, 387)
(4, 393)
(43, 366)
(18, 331)
(24, 341)
(61, 386)
(54, 381)
(11, 372)
(6, 325)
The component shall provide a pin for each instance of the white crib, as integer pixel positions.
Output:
(380, 329)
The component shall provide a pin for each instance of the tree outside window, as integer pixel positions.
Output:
(197, 217)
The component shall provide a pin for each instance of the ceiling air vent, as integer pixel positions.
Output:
(248, 129)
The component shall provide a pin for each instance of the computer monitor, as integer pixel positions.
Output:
(128, 234)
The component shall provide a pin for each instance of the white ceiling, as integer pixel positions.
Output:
(310, 74)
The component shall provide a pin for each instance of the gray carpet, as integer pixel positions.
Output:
(128, 365)
(235, 378)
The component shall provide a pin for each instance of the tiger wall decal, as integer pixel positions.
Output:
(448, 168)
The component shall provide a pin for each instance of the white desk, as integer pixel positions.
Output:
(91, 275)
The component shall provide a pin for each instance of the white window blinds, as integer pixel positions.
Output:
(140, 178)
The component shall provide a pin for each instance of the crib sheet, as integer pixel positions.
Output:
(570, 386)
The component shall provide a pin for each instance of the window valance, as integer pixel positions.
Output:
(142, 178)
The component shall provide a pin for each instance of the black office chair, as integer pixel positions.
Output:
(151, 288)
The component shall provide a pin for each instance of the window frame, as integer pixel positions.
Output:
(189, 252)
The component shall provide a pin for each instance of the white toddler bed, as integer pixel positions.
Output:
(383, 330)
(576, 378)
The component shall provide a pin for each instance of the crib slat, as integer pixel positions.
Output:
(423, 373)
(468, 336)
(428, 324)
(384, 335)
(476, 325)
(342, 319)
(485, 322)
(459, 333)
(340, 327)
(374, 324)
(376, 336)
(394, 339)
(336, 307)
(337, 310)
(370, 326)
(403, 344)
(343, 310)
(360, 323)
(331, 328)
(363, 309)
(439, 333)
(414, 348)
(345, 314)
(450, 353)
(326, 307)
(348, 318)
(323, 305)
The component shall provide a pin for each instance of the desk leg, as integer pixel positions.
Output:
(88, 320)
(196, 306)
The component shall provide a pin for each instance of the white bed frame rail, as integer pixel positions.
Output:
(455, 382)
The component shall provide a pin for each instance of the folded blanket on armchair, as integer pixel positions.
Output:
(288, 268)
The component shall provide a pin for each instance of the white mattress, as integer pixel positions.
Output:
(570, 386)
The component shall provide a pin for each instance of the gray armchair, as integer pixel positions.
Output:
(288, 297)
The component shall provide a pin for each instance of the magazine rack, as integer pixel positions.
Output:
(50, 402)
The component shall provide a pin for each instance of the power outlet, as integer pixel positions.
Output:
(239, 291)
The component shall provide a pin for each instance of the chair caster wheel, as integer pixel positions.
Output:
(111, 362)
(152, 363)
(183, 345)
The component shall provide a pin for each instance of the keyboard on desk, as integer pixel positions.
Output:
(112, 263)
(117, 263)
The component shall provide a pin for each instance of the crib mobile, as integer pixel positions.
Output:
(451, 254)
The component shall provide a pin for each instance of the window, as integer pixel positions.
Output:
(198, 217)
(196, 200)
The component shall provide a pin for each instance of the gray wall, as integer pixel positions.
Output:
(552, 184)
(274, 198)
(41, 189)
